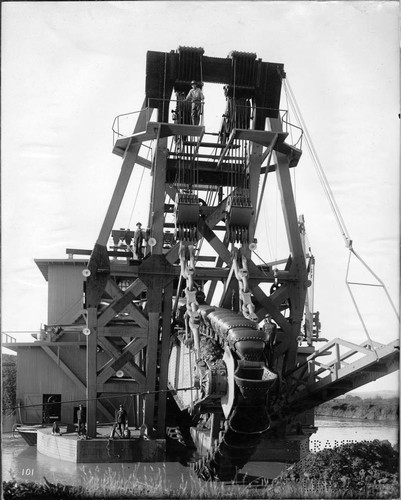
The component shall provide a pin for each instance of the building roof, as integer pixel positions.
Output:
(43, 264)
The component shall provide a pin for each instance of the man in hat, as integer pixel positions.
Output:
(121, 420)
(138, 241)
(270, 330)
(195, 96)
(81, 420)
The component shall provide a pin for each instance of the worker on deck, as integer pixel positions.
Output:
(81, 421)
(270, 329)
(195, 96)
(138, 241)
(121, 420)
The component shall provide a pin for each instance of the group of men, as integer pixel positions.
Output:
(120, 425)
(121, 418)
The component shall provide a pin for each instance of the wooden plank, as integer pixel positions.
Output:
(168, 129)
(124, 144)
(110, 253)
(216, 145)
(39, 343)
(193, 156)
(261, 137)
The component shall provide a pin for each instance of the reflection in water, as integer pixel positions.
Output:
(334, 432)
(24, 463)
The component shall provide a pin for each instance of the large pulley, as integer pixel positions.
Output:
(239, 215)
(186, 217)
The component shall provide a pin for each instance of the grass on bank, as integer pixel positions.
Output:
(357, 470)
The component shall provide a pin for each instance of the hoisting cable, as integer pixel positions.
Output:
(263, 188)
(337, 214)
(99, 398)
(136, 197)
(139, 188)
(318, 166)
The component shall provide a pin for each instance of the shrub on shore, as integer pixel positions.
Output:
(368, 469)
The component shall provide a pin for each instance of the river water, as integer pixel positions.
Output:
(24, 463)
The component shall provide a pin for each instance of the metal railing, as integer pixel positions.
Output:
(345, 358)
(180, 112)
(7, 339)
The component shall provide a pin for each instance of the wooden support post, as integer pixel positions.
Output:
(151, 364)
(255, 163)
(288, 203)
(164, 355)
(91, 373)
(156, 218)
(125, 174)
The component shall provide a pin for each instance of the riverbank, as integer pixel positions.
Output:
(360, 470)
(354, 407)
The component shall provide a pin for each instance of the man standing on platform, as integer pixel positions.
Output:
(138, 241)
(195, 96)
(121, 420)
(81, 421)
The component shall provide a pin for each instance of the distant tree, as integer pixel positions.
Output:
(9, 381)
(351, 397)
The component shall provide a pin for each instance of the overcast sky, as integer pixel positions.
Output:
(68, 68)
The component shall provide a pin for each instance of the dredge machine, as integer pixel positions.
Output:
(231, 340)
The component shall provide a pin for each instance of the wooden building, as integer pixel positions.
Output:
(51, 370)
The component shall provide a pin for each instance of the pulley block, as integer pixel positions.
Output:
(238, 218)
(186, 216)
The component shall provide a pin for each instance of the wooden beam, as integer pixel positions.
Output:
(122, 331)
(122, 358)
(164, 358)
(288, 204)
(71, 375)
(151, 357)
(122, 301)
(122, 182)
(214, 241)
(91, 373)
(156, 215)
(120, 386)
(213, 284)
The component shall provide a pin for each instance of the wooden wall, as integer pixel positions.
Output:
(65, 291)
(38, 374)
